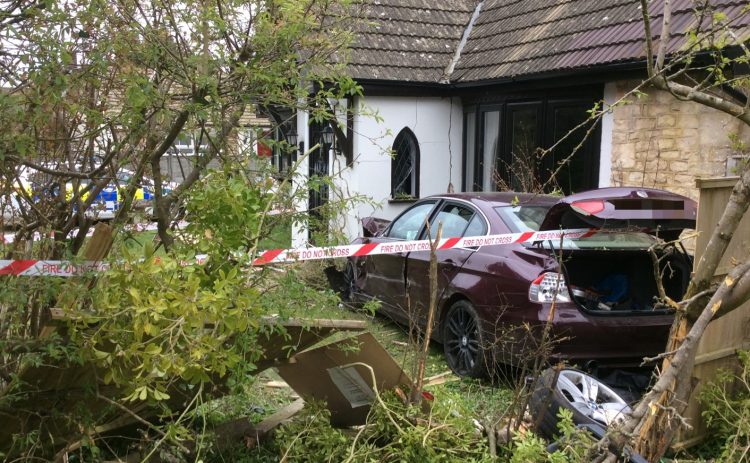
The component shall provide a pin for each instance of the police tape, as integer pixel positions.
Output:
(70, 269)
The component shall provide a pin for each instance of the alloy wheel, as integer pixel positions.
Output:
(462, 343)
(591, 397)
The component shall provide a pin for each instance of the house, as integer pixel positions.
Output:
(466, 91)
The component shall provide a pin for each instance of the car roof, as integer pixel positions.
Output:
(503, 198)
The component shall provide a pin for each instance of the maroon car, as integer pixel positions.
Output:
(603, 287)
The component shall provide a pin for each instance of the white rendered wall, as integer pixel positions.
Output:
(437, 124)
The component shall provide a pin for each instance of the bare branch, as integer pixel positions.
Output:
(664, 36)
(649, 40)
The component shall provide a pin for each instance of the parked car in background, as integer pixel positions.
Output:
(37, 186)
(493, 299)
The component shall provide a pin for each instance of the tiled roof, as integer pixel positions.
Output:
(415, 40)
(409, 40)
(520, 37)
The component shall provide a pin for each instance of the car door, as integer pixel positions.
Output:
(384, 276)
(458, 219)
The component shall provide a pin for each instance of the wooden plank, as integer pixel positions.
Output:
(720, 354)
(716, 182)
(713, 199)
(442, 378)
(347, 325)
(65, 387)
(233, 432)
(274, 421)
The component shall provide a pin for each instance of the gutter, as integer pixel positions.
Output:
(442, 86)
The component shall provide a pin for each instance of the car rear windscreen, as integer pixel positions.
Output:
(521, 219)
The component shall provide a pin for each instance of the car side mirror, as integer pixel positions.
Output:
(372, 226)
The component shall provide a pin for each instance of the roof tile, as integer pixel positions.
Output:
(416, 40)
(409, 40)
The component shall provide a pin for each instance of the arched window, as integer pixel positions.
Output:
(405, 166)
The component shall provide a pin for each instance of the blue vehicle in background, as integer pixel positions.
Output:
(108, 200)
(105, 205)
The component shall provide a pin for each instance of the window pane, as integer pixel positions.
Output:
(408, 225)
(574, 174)
(530, 218)
(470, 121)
(524, 142)
(476, 227)
(491, 138)
(454, 218)
(404, 166)
(523, 218)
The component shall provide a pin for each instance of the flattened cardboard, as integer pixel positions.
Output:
(316, 372)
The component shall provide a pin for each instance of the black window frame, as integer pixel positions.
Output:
(546, 101)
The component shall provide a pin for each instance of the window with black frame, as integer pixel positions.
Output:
(506, 146)
(405, 166)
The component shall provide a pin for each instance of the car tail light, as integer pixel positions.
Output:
(548, 287)
(588, 207)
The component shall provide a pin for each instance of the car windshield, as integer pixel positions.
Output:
(529, 218)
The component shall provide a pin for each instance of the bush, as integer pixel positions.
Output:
(727, 412)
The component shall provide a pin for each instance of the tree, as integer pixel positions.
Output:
(701, 71)
(92, 88)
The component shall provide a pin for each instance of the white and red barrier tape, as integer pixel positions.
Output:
(68, 269)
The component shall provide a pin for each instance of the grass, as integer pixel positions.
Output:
(280, 236)
(258, 399)
(484, 401)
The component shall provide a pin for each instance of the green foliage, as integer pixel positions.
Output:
(309, 438)
(727, 412)
(154, 319)
(529, 448)
(574, 445)
(225, 213)
(394, 433)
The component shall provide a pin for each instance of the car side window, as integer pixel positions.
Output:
(476, 227)
(457, 220)
(408, 225)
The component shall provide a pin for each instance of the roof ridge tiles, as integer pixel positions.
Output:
(396, 34)
(408, 7)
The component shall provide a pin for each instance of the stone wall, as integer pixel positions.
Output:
(661, 142)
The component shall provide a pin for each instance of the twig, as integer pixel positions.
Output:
(416, 395)
(182, 415)
(675, 415)
(663, 355)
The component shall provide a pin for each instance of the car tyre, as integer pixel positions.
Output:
(350, 278)
(590, 401)
(463, 344)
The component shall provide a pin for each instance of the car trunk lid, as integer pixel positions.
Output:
(650, 210)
